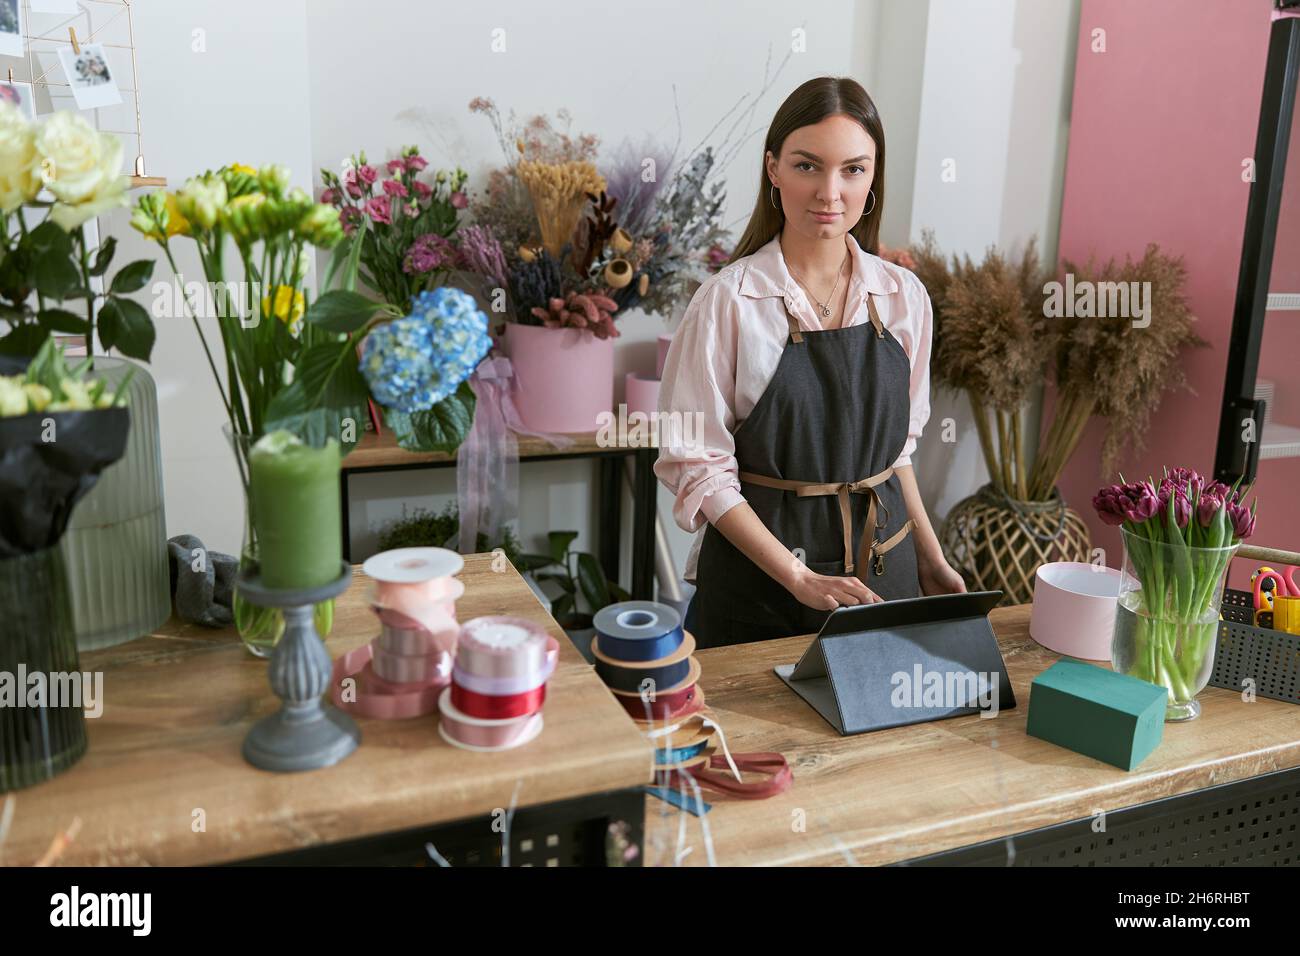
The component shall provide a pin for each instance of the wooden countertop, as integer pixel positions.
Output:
(382, 450)
(910, 791)
(178, 703)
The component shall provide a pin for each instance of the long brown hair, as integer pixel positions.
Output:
(811, 103)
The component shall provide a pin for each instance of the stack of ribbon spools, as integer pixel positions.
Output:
(498, 684)
(402, 671)
(647, 660)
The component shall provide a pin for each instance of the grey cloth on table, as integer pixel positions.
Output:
(201, 596)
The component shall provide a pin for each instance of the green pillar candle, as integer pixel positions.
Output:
(295, 500)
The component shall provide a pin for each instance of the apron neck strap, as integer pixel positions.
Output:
(796, 334)
(875, 316)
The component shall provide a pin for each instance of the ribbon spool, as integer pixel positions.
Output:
(504, 646)
(673, 703)
(402, 672)
(675, 755)
(629, 676)
(414, 588)
(372, 696)
(473, 733)
(637, 631)
(502, 665)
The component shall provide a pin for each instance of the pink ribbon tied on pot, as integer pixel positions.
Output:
(487, 482)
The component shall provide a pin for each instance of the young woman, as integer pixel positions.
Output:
(805, 364)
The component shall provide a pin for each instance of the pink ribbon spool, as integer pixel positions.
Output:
(375, 697)
(474, 733)
(414, 587)
(501, 646)
(405, 640)
(410, 668)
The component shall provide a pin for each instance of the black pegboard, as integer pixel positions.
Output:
(1268, 658)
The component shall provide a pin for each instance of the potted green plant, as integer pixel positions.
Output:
(581, 581)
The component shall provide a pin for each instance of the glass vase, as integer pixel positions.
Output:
(115, 547)
(1167, 617)
(260, 628)
(42, 731)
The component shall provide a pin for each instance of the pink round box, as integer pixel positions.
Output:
(1074, 609)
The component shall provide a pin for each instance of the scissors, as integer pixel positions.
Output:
(1267, 584)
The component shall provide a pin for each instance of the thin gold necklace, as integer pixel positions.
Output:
(824, 306)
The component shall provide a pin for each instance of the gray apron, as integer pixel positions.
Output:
(815, 459)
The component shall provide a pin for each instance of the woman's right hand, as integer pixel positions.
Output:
(826, 592)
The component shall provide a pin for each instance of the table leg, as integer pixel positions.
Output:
(644, 499)
(610, 505)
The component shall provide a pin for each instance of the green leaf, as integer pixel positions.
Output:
(591, 577)
(559, 542)
(125, 325)
(55, 275)
(61, 320)
(24, 340)
(342, 311)
(326, 394)
(441, 428)
(47, 366)
(531, 562)
(47, 239)
(562, 606)
(104, 256)
(132, 277)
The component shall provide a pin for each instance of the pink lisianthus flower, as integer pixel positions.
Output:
(395, 166)
(422, 190)
(367, 174)
(394, 189)
(459, 200)
(415, 163)
(380, 209)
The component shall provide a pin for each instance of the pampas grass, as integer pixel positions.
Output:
(992, 342)
(995, 340)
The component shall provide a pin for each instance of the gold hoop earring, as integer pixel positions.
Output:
(771, 194)
(872, 194)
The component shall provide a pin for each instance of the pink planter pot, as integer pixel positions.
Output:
(564, 378)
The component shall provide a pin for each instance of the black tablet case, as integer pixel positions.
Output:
(847, 672)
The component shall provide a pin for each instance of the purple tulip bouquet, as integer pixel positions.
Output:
(1179, 537)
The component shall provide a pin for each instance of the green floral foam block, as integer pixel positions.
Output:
(1097, 712)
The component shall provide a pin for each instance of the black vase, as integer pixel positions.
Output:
(41, 735)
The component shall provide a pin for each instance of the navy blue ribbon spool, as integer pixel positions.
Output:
(678, 754)
(629, 678)
(638, 630)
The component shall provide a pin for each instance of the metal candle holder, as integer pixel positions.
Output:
(306, 732)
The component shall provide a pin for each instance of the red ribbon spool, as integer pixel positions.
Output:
(494, 707)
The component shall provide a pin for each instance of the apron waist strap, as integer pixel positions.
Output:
(842, 490)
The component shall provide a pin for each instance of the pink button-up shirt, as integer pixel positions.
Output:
(726, 349)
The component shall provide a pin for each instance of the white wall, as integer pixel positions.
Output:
(306, 84)
(242, 97)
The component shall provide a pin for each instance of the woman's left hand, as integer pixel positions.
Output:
(938, 577)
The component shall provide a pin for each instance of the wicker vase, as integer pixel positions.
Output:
(997, 543)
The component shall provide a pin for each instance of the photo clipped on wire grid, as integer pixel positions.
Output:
(93, 83)
(20, 95)
(11, 28)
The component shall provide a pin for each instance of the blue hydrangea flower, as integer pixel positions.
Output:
(413, 363)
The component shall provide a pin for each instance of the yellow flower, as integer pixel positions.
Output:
(241, 168)
(283, 296)
(38, 396)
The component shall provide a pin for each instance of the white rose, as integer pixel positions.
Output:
(20, 179)
(81, 166)
(13, 400)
